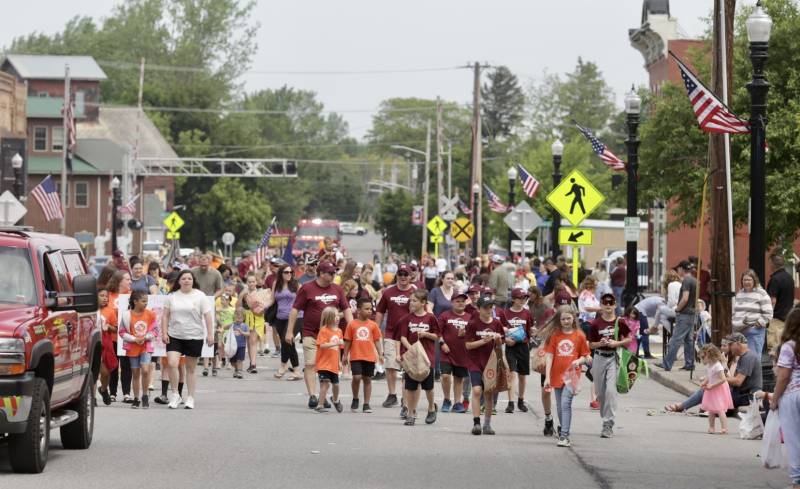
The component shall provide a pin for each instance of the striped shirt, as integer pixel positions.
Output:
(750, 309)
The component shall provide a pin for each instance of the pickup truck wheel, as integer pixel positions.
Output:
(78, 434)
(27, 451)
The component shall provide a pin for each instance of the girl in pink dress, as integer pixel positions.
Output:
(716, 392)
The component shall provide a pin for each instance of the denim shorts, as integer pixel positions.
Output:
(141, 360)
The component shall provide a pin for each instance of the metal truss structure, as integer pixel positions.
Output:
(216, 167)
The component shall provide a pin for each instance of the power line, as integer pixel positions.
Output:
(262, 112)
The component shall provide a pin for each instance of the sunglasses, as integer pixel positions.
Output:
(609, 303)
(288, 271)
(403, 274)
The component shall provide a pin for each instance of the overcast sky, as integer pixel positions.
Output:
(356, 35)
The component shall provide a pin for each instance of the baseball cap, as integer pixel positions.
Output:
(518, 294)
(474, 289)
(608, 297)
(326, 267)
(312, 261)
(736, 338)
(485, 301)
(685, 264)
(487, 290)
(497, 258)
(462, 295)
(403, 268)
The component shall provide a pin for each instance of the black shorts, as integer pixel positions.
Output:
(239, 356)
(188, 348)
(519, 358)
(325, 376)
(476, 378)
(363, 368)
(412, 385)
(449, 369)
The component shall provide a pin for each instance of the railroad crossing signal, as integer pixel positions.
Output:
(462, 230)
(437, 226)
(174, 222)
(575, 236)
(575, 198)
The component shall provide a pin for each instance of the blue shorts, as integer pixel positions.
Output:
(476, 378)
(239, 357)
(141, 360)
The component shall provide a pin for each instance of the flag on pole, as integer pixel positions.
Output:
(494, 201)
(529, 183)
(712, 115)
(47, 197)
(130, 207)
(464, 207)
(601, 150)
(288, 256)
(68, 112)
(263, 246)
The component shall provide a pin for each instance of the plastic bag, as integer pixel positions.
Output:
(772, 456)
(231, 345)
(572, 379)
(751, 426)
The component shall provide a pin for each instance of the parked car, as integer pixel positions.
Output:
(49, 346)
(152, 249)
(351, 228)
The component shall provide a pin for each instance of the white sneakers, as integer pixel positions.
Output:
(189, 404)
(174, 400)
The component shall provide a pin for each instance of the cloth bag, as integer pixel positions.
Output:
(773, 455)
(229, 342)
(630, 366)
(538, 360)
(751, 426)
(415, 362)
(495, 375)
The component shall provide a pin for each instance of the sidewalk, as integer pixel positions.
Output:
(676, 379)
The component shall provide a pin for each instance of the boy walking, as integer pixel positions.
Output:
(362, 348)
(242, 332)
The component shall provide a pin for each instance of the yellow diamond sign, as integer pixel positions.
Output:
(173, 222)
(575, 197)
(437, 225)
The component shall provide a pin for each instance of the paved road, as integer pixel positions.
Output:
(362, 248)
(257, 432)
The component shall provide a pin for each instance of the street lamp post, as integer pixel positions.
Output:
(759, 26)
(633, 105)
(116, 201)
(476, 194)
(512, 178)
(16, 164)
(557, 149)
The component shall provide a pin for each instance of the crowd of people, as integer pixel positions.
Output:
(356, 321)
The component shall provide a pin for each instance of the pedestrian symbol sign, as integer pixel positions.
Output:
(173, 222)
(462, 230)
(575, 236)
(437, 225)
(575, 198)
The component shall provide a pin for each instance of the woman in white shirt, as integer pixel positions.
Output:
(186, 321)
(672, 290)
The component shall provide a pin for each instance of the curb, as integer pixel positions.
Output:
(669, 383)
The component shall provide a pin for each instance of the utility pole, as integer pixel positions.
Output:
(449, 169)
(426, 192)
(477, 174)
(439, 184)
(64, 156)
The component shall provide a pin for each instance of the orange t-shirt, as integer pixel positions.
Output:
(362, 336)
(110, 317)
(328, 358)
(565, 348)
(140, 325)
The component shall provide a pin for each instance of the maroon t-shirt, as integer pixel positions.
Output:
(476, 330)
(522, 319)
(394, 305)
(471, 309)
(244, 266)
(450, 324)
(412, 324)
(600, 328)
(270, 281)
(311, 299)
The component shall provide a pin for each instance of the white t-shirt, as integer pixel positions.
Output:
(441, 265)
(186, 312)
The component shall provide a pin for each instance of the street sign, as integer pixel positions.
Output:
(416, 215)
(228, 238)
(437, 225)
(516, 246)
(448, 208)
(632, 228)
(173, 235)
(437, 239)
(523, 220)
(174, 222)
(462, 230)
(575, 198)
(11, 209)
(575, 236)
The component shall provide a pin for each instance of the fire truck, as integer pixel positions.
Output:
(310, 234)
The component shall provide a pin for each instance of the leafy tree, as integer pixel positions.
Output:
(502, 103)
(393, 220)
(228, 206)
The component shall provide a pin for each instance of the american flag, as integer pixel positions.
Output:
(712, 115)
(47, 197)
(494, 201)
(601, 150)
(130, 207)
(529, 183)
(69, 117)
(263, 246)
(464, 207)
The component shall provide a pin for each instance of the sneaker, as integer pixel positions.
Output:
(594, 405)
(457, 408)
(548, 427)
(510, 408)
(465, 403)
(189, 403)
(661, 365)
(127, 399)
(161, 400)
(326, 404)
(607, 432)
(354, 405)
(145, 401)
(113, 398)
(446, 406)
(522, 406)
(213, 372)
(253, 370)
(391, 401)
(106, 396)
(321, 409)
(476, 429)
(173, 402)
(403, 412)
(563, 442)
(366, 408)
(410, 420)
(276, 354)
(312, 402)
(239, 375)
(205, 372)
(487, 430)
(338, 405)
(266, 351)
(431, 417)
(135, 404)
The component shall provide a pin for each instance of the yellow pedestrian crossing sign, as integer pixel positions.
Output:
(437, 225)
(575, 236)
(174, 222)
(575, 197)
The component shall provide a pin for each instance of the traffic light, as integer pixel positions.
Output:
(134, 224)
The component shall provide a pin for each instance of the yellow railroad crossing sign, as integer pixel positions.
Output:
(575, 197)
(173, 235)
(575, 236)
(437, 225)
(174, 222)
(462, 230)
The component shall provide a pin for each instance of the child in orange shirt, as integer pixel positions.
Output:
(566, 349)
(329, 342)
(137, 329)
(363, 347)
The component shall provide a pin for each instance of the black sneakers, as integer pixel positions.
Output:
(548, 427)
(312, 402)
(145, 401)
(510, 407)
(106, 397)
(431, 417)
(476, 429)
(135, 404)
(391, 401)
(354, 405)
(522, 406)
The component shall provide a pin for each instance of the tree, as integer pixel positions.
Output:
(502, 103)
(228, 206)
(393, 220)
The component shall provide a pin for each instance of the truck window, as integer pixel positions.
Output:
(58, 271)
(19, 285)
(74, 263)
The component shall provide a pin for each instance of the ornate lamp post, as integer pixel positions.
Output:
(557, 150)
(512, 178)
(633, 105)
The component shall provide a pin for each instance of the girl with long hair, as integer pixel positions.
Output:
(285, 291)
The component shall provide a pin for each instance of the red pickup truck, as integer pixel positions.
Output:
(49, 345)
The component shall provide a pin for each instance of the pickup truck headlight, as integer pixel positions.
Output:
(12, 356)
